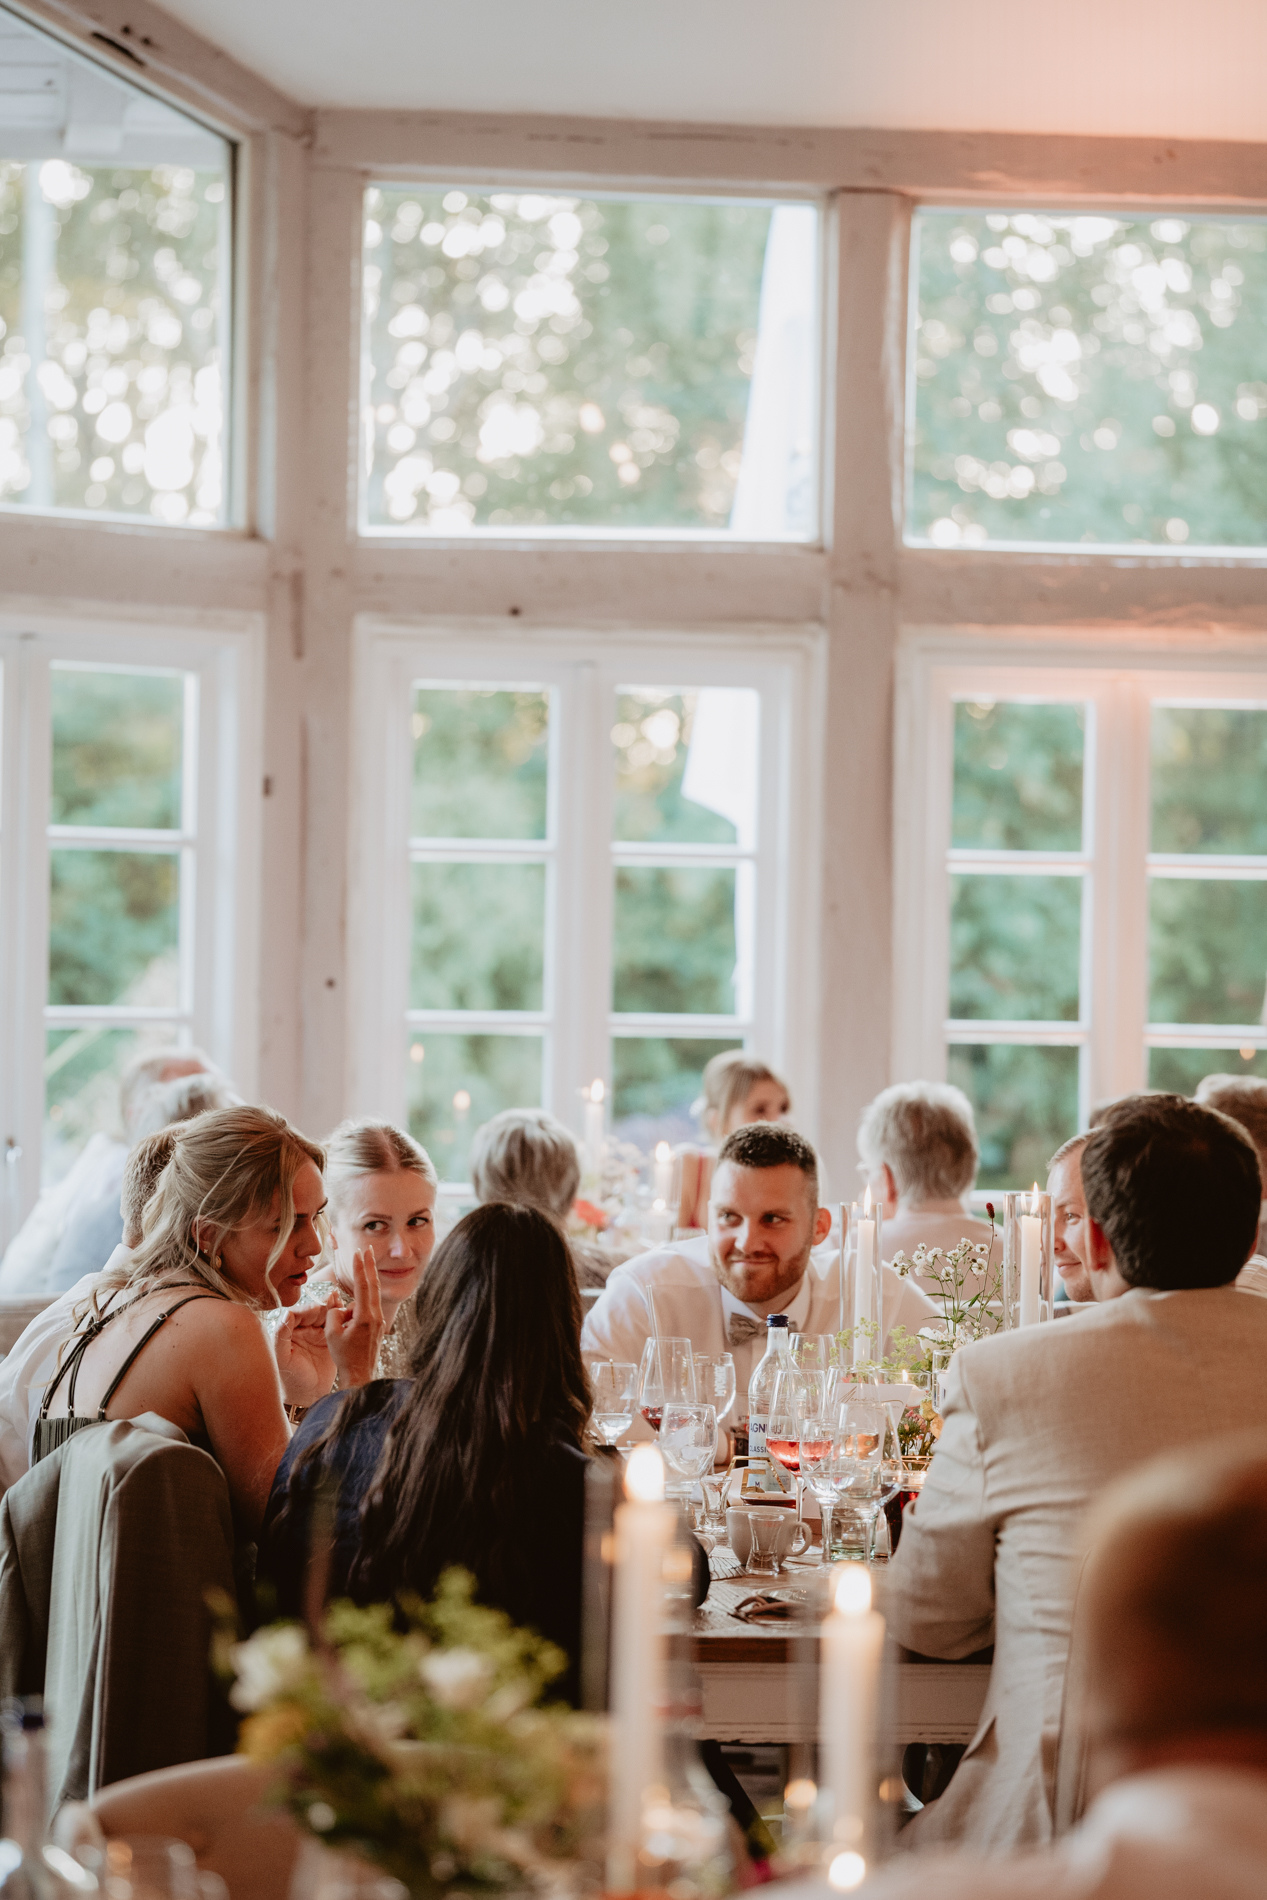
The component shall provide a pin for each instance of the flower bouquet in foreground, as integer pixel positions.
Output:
(421, 1742)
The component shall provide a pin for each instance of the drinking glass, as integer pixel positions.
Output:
(667, 1374)
(715, 1381)
(713, 1492)
(765, 1529)
(150, 1867)
(859, 1443)
(688, 1438)
(829, 1477)
(815, 1352)
(797, 1401)
(614, 1384)
(893, 1481)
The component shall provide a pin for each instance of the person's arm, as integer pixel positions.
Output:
(939, 1592)
(240, 1397)
(617, 1326)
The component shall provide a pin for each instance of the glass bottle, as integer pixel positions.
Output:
(29, 1868)
(777, 1358)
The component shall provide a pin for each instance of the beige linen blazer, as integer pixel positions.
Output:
(1037, 1422)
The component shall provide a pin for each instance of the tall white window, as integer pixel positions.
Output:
(1082, 891)
(125, 868)
(585, 873)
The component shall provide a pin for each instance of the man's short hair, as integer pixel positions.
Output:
(1244, 1098)
(772, 1145)
(140, 1177)
(528, 1158)
(924, 1133)
(1067, 1148)
(1176, 1188)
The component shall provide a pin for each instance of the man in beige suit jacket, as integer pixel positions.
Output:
(1038, 1421)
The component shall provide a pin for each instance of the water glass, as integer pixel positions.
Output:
(150, 1867)
(688, 1438)
(715, 1381)
(666, 1376)
(766, 1530)
(713, 1492)
(614, 1384)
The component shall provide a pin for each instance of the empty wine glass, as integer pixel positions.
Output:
(614, 1384)
(667, 1374)
(688, 1436)
(715, 1381)
(859, 1443)
(797, 1403)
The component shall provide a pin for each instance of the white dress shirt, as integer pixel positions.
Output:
(26, 1370)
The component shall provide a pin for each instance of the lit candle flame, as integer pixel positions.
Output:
(657, 1207)
(866, 1205)
(663, 1152)
(853, 1583)
(596, 1090)
(846, 1872)
(644, 1480)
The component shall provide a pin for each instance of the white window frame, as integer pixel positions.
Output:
(582, 669)
(1118, 683)
(218, 844)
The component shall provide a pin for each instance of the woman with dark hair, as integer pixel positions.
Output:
(474, 1459)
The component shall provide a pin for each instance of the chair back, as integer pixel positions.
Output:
(16, 1314)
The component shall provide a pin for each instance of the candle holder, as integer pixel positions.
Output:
(1028, 1259)
(862, 1281)
(1011, 1264)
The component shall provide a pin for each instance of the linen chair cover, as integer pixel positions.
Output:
(108, 1549)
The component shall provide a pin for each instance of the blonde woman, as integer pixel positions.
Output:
(382, 1188)
(230, 1232)
(738, 1089)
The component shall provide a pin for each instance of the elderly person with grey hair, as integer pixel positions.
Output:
(530, 1158)
(918, 1146)
(1244, 1098)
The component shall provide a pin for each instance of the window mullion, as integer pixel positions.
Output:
(1119, 1000)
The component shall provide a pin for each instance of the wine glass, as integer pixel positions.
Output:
(715, 1382)
(688, 1438)
(614, 1384)
(829, 1477)
(815, 1352)
(893, 1480)
(667, 1374)
(797, 1401)
(859, 1444)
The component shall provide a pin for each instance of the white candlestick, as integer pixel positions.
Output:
(659, 1224)
(863, 1283)
(1031, 1261)
(852, 1645)
(643, 1532)
(594, 1131)
(663, 1189)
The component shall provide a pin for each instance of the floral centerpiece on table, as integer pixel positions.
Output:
(966, 1283)
(420, 1741)
(910, 1358)
(609, 1212)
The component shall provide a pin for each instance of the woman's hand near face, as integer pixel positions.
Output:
(354, 1333)
(303, 1354)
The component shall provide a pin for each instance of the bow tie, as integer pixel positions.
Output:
(740, 1329)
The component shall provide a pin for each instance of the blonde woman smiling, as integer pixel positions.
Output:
(382, 1188)
(230, 1232)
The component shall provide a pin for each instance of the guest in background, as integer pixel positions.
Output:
(1244, 1098)
(1037, 1422)
(229, 1232)
(382, 1188)
(737, 1089)
(94, 1178)
(529, 1158)
(755, 1259)
(475, 1458)
(1069, 1219)
(1175, 1716)
(918, 1146)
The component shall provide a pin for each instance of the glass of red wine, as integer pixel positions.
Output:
(798, 1434)
(666, 1376)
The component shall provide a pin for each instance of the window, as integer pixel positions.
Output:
(123, 863)
(583, 874)
(1082, 378)
(1082, 899)
(602, 365)
(114, 292)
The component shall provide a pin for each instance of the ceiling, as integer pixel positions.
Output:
(1146, 67)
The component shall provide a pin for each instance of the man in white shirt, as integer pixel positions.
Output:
(1036, 1423)
(918, 1144)
(757, 1258)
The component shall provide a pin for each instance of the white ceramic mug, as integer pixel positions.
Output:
(739, 1536)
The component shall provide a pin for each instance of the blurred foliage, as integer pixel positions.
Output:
(655, 1080)
(1209, 772)
(117, 743)
(478, 936)
(1181, 1069)
(1026, 1102)
(557, 360)
(82, 1067)
(456, 1082)
(673, 942)
(651, 739)
(480, 762)
(1018, 776)
(114, 920)
(121, 407)
(1207, 950)
(1086, 378)
(1015, 947)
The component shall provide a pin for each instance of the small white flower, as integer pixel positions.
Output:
(270, 1663)
(457, 1678)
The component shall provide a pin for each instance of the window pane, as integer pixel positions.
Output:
(686, 765)
(1209, 779)
(1014, 947)
(456, 1082)
(112, 930)
(117, 742)
(1026, 1104)
(655, 1081)
(674, 947)
(1179, 1070)
(1207, 950)
(478, 936)
(546, 361)
(82, 1069)
(113, 293)
(480, 763)
(1087, 378)
(1018, 776)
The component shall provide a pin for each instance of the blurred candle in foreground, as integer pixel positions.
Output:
(1031, 1261)
(594, 1130)
(643, 1535)
(659, 1224)
(663, 1172)
(852, 1645)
